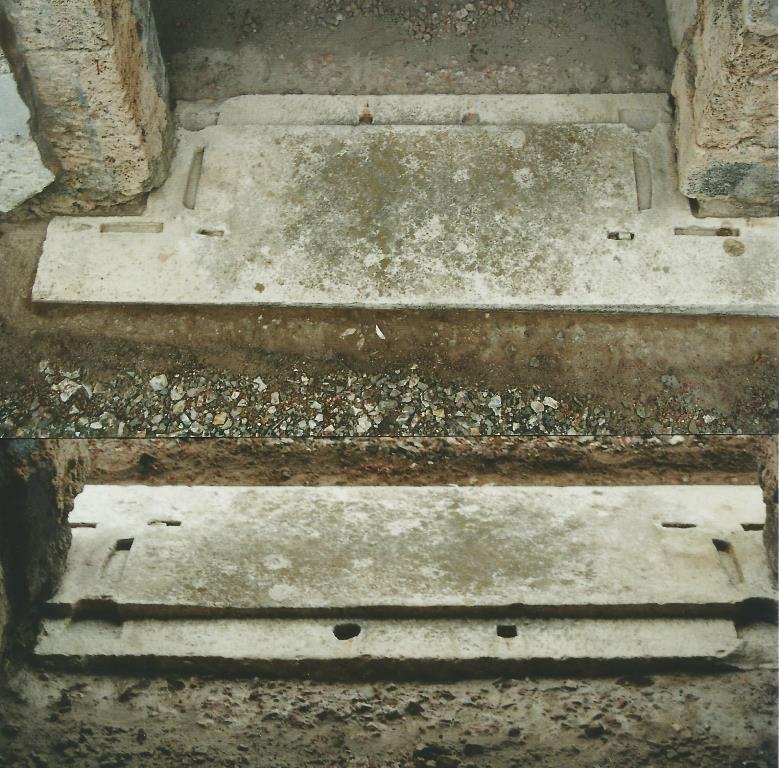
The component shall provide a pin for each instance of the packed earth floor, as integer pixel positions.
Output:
(718, 460)
(51, 720)
(214, 50)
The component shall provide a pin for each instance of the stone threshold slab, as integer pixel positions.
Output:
(208, 552)
(514, 202)
(318, 648)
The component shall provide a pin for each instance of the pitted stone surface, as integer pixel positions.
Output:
(726, 109)
(529, 210)
(99, 95)
(189, 551)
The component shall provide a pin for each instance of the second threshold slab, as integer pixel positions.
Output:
(161, 552)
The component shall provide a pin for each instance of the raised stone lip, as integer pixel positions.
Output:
(602, 236)
(312, 647)
(427, 109)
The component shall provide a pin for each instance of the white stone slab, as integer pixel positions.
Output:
(516, 212)
(303, 645)
(22, 172)
(232, 551)
(431, 109)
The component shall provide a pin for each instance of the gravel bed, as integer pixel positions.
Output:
(203, 402)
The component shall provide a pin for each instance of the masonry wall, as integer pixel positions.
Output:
(769, 464)
(38, 481)
(725, 87)
(93, 78)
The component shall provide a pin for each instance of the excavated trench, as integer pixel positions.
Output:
(600, 707)
(650, 332)
(325, 602)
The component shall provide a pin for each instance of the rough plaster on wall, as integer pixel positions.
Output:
(22, 172)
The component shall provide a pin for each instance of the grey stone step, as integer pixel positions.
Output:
(397, 648)
(225, 552)
(548, 202)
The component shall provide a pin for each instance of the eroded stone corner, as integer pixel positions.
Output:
(726, 109)
(39, 480)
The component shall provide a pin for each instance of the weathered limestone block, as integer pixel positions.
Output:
(726, 101)
(3, 613)
(769, 464)
(735, 88)
(22, 172)
(95, 82)
(38, 482)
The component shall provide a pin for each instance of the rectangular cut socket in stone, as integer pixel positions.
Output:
(193, 178)
(413, 551)
(131, 228)
(643, 172)
(707, 231)
(395, 648)
(498, 215)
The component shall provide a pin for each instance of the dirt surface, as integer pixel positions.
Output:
(397, 461)
(63, 385)
(218, 49)
(89, 371)
(721, 721)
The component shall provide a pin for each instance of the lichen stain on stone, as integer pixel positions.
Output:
(391, 203)
(455, 539)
